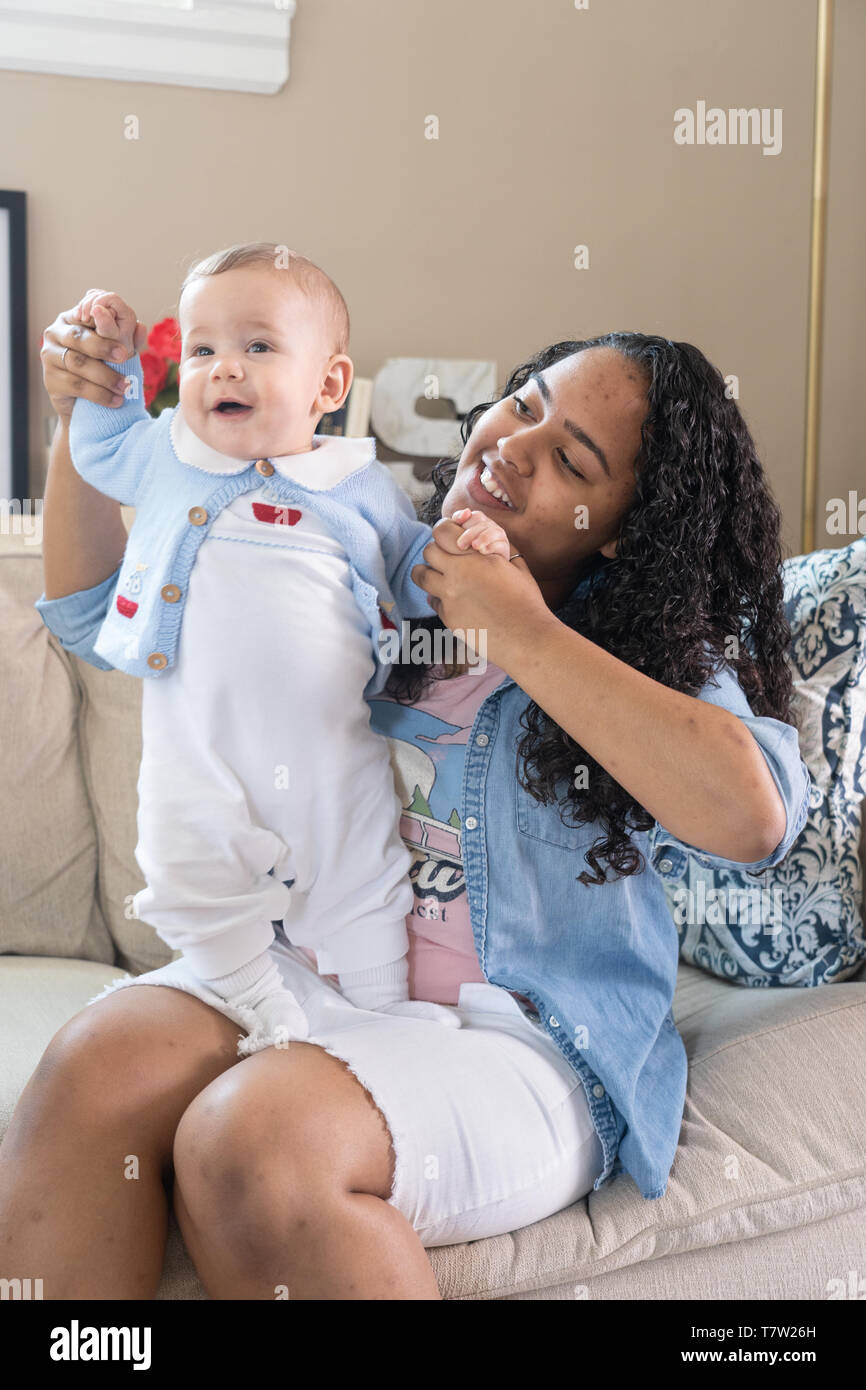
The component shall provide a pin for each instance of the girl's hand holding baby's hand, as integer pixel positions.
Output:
(481, 533)
(75, 361)
(110, 316)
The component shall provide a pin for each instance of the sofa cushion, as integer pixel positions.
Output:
(37, 996)
(808, 929)
(49, 863)
(111, 753)
(758, 1156)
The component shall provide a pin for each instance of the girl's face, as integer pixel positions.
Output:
(562, 450)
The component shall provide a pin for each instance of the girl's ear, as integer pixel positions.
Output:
(609, 549)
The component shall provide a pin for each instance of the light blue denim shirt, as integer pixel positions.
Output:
(598, 962)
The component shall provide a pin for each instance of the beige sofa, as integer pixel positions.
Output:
(767, 1196)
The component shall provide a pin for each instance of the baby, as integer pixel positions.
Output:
(263, 563)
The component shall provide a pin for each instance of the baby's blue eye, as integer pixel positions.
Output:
(202, 348)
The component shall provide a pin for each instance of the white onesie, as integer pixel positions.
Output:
(258, 755)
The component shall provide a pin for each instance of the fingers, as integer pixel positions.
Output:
(489, 544)
(80, 371)
(425, 577)
(71, 333)
(432, 552)
(79, 375)
(83, 311)
(471, 528)
(110, 315)
(445, 534)
(481, 533)
(105, 322)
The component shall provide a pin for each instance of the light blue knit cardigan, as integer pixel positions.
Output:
(129, 455)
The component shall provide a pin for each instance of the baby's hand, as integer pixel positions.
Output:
(109, 315)
(482, 534)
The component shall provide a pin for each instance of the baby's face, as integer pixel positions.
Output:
(248, 338)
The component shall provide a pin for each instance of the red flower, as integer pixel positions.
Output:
(154, 371)
(164, 338)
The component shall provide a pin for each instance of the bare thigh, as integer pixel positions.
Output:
(138, 1056)
(146, 1057)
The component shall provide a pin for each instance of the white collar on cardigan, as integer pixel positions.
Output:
(332, 458)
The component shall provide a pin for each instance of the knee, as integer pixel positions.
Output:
(274, 1145)
(231, 1182)
(255, 1167)
(227, 1146)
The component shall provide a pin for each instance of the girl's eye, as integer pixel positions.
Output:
(519, 401)
(569, 465)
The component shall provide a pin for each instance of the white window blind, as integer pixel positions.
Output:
(235, 45)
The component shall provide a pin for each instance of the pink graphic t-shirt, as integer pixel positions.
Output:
(428, 745)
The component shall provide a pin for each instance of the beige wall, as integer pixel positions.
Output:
(843, 417)
(556, 128)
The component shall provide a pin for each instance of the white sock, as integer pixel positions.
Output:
(227, 986)
(377, 986)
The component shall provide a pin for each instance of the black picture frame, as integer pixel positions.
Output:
(14, 348)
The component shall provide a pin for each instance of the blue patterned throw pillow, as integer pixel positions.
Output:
(813, 933)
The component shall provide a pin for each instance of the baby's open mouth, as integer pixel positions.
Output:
(232, 408)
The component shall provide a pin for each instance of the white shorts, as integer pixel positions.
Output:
(490, 1125)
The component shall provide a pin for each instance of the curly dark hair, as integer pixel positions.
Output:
(699, 562)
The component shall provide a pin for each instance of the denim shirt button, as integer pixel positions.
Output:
(470, 822)
(482, 740)
(553, 1021)
(598, 1090)
(665, 866)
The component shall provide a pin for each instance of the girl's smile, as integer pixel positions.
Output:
(484, 485)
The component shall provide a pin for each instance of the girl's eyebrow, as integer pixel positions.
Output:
(580, 435)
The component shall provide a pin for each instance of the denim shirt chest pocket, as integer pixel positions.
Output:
(542, 821)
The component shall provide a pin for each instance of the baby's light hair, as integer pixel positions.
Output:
(309, 277)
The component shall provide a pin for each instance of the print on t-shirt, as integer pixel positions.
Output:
(428, 770)
(427, 742)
